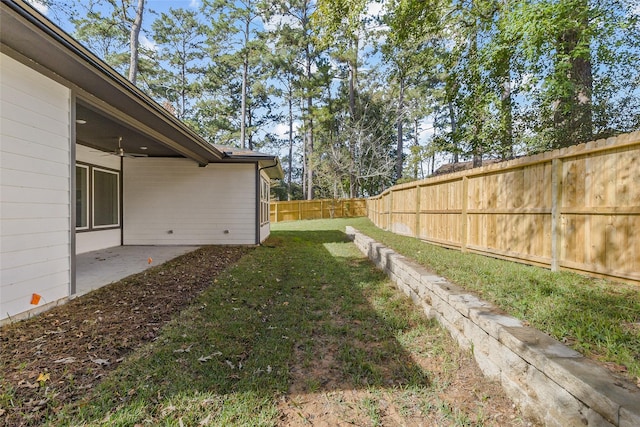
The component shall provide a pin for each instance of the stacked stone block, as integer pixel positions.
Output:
(549, 381)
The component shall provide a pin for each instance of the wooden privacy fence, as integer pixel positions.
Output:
(317, 209)
(576, 208)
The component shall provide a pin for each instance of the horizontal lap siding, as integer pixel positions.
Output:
(87, 241)
(197, 204)
(35, 188)
(99, 158)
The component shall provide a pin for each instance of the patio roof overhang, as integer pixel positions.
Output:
(111, 106)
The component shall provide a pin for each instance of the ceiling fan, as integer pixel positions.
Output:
(119, 151)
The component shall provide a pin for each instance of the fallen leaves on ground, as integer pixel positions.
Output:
(54, 358)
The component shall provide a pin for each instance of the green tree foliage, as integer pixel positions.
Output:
(366, 102)
(112, 29)
(103, 34)
(238, 41)
(296, 57)
(340, 25)
(180, 38)
(514, 76)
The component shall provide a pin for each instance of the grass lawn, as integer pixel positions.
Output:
(301, 330)
(598, 318)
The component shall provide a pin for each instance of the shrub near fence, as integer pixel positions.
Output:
(576, 208)
(317, 209)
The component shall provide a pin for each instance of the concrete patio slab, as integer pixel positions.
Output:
(100, 268)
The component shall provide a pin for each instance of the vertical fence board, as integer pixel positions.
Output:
(464, 219)
(317, 209)
(634, 265)
(584, 218)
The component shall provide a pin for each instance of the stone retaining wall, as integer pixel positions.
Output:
(549, 381)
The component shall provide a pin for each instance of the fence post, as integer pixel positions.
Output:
(463, 217)
(556, 214)
(276, 218)
(417, 234)
(299, 210)
(389, 228)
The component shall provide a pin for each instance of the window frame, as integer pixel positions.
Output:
(87, 193)
(264, 201)
(93, 198)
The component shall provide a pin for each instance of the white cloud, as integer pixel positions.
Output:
(147, 44)
(635, 10)
(281, 130)
(280, 20)
(39, 6)
(374, 9)
(195, 4)
(376, 30)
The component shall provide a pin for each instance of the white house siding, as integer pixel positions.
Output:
(35, 226)
(87, 241)
(175, 202)
(265, 230)
(95, 157)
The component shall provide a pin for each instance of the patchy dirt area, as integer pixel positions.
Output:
(56, 357)
(456, 392)
(399, 407)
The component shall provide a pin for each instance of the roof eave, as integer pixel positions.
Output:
(90, 61)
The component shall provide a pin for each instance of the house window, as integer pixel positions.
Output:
(97, 198)
(82, 197)
(106, 198)
(264, 201)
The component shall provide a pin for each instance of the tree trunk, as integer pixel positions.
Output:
(454, 126)
(573, 114)
(506, 103)
(476, 107)
(416, 142)
(309, 132)
(183, 90)
(243, 99)
(308, 143)
(290, 141)
(400, 121)
(305, 157)
(353, 78)
(249, 133)
(506, 116)
(134, 42)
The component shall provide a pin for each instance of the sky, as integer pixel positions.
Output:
(153, 8)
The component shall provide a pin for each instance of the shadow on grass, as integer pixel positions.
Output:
(303, 313)
(596, 317)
